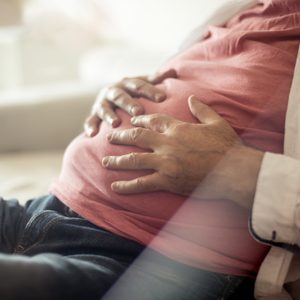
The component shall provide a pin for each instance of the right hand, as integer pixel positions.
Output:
(121, 95)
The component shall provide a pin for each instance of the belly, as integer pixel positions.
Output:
(247, 82)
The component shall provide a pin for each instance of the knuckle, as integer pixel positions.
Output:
(181, 128)
(172, 169)
(120, 100)
(101, 105)
(102, 112)
(140, 86)
(128, 81)
(101, 102)
(156, 121)
(155, 117)
(139, 183)
(132, 158)
(92, 119)
(114, 93)
(137, 84)
(89, 120)
(135, 134)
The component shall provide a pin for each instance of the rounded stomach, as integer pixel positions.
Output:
(198, 222)
(85, 154)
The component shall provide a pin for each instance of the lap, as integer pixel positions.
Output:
(153, 276)
(59, 255)
(47, 249)
(51, 276)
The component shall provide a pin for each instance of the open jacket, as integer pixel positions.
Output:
(276, 210)
(275, 216)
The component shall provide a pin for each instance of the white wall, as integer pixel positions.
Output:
(58, 35)
(162, 24)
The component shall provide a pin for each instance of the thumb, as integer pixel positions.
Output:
(203, 112)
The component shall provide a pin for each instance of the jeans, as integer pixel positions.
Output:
(49, 252)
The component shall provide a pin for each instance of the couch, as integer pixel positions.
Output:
(34, 131)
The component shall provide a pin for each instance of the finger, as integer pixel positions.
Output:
(140, 88)
(203, 112)
(149, 183)
(155, 122)
(91, 125)
(160, 77)
(132, 161)
(105, 111)
(121, 99)
(139, 137)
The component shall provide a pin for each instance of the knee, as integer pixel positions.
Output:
(27, 278)
(43, 277)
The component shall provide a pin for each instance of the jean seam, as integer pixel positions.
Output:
(41, 237)
(28, 225)
(34, 219)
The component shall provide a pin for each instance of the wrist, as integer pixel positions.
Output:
(241, 168)
(234, 178)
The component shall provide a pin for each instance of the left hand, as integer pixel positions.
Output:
(183, 154)
(123, 95)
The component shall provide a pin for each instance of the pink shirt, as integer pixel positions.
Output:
(244, 71)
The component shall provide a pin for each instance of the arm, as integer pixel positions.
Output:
(269, 184)
(239, 172)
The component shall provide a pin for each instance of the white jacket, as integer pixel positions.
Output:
(276, 210)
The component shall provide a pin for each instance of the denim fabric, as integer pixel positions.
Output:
(49, 252)
(152, 276)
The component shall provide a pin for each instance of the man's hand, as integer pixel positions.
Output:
(183, 154)
(121, 95)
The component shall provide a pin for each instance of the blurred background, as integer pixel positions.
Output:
(54, 58)
(45, 42)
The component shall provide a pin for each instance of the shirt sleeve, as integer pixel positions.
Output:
(276, 210)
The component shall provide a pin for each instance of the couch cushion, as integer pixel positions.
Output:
(27, 175)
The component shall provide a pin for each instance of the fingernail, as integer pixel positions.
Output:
(105, 161)
(90, 132)
(114, 122)
(159, 97)
(133, 120)
(115, 186)
(109, 136)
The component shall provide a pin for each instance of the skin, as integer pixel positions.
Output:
(176, 146)
(122, 95)
(207, 159)
(185, 155)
